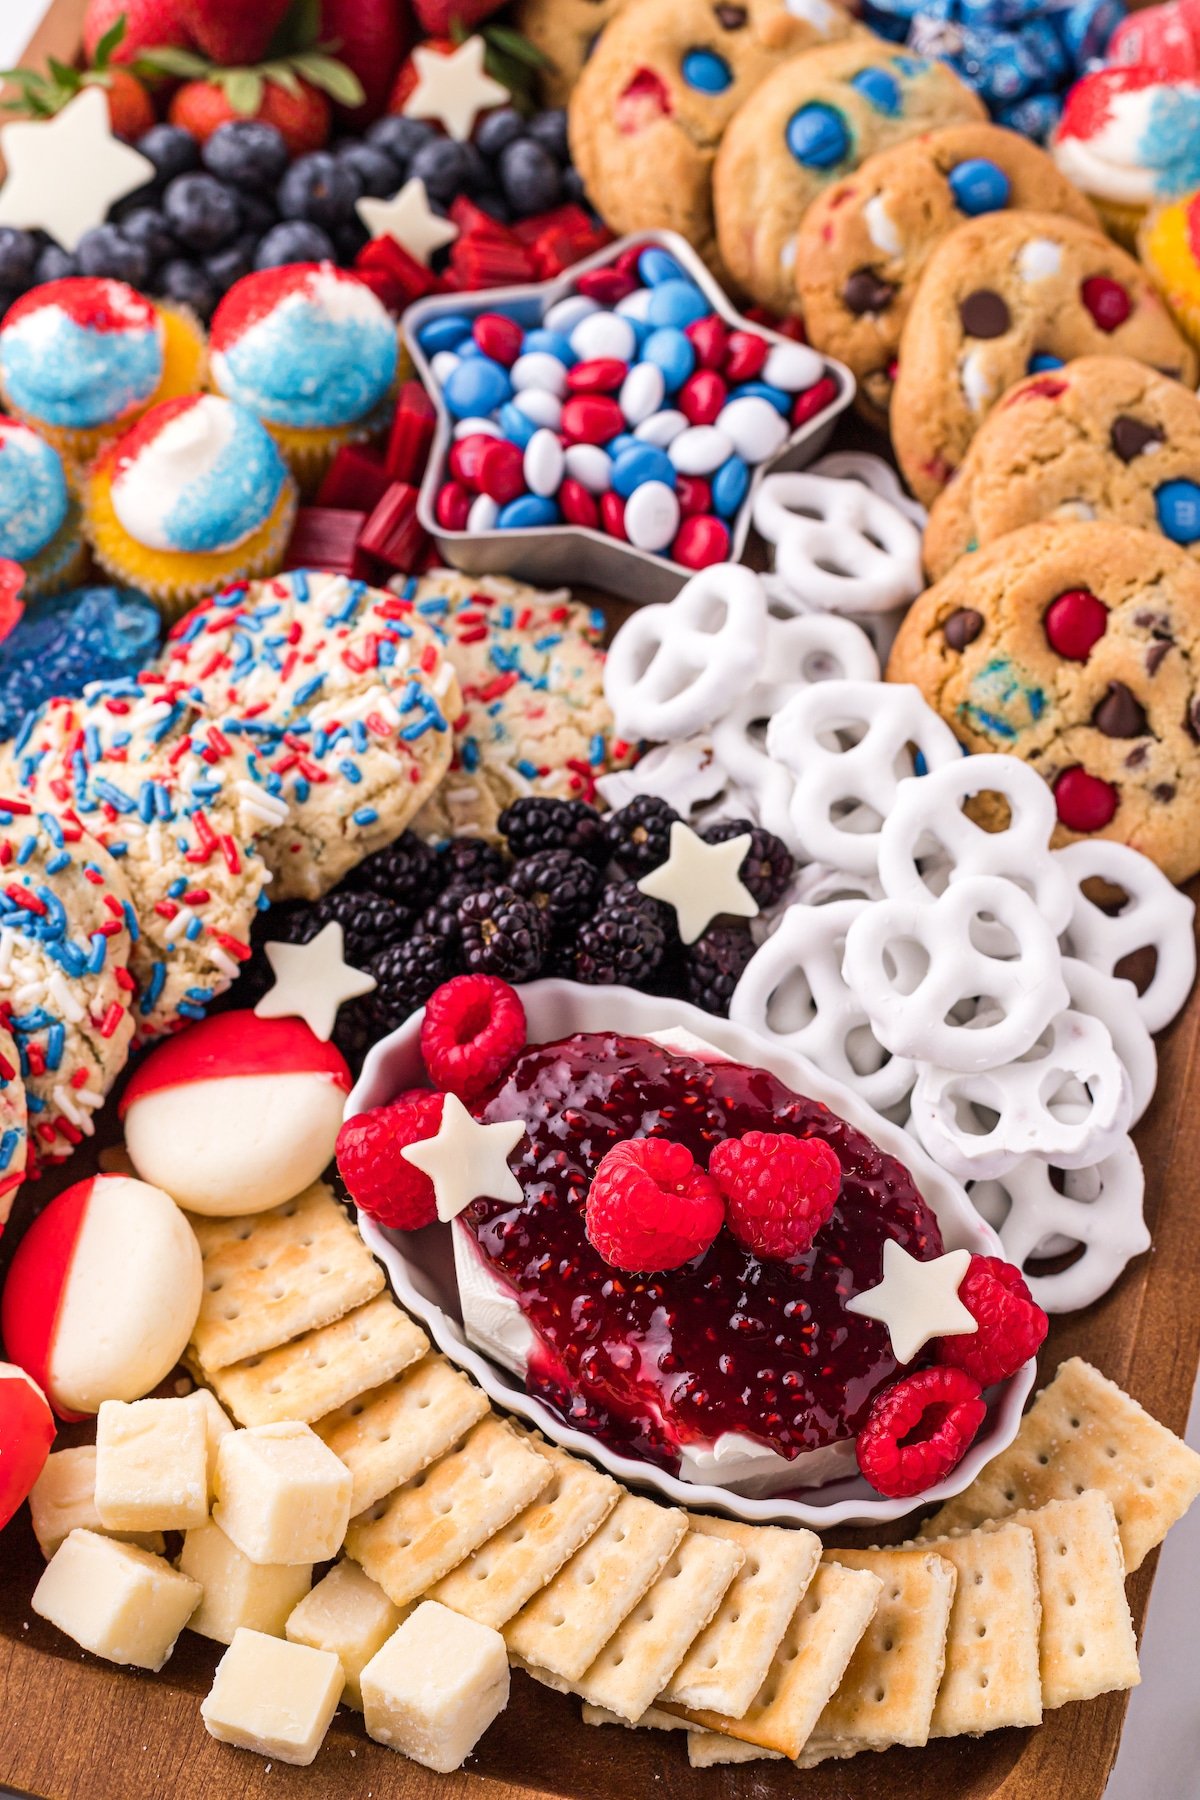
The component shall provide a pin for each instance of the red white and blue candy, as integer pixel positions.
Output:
(305, 345)
(33, 492)
(196, 475)
(81, 352)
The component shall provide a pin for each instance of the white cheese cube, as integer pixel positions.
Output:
(349, 1614)
(151, 1465)
(118, 1602)
(217, 1424)
(237, 1592)
(436, 1686)
(273, 1697)
(282, 1495)
(63, 1499)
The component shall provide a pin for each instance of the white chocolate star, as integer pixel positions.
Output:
(312, 980)
(454, 89)
(701, 880)
(64, 173)
(917, 1300)
(409, 218)
(467, 1160)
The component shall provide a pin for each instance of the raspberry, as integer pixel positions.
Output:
(1011, 1323)
(472, 1029)
(918, 1430)
(779, 1189)
(650, 1206)
(378, 1179)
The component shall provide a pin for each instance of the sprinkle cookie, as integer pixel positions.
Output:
(346, 697)
(1003, 297)
(14, 1124)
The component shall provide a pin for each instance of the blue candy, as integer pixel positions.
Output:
(517, 426)
(90, 634)
(476, 388)
(1034, 117)
(553, 343)
(1087, 26)
(643, 463)
(880, 89)
(1177, 504)
(672, 352)
(729, 486)
(978, 186)
(764, 391)
(529, 511)
(656, 266)
(705, 70)
(1041, 363)
(444, 333)
(623, 441)
(676, 302)
(817, 136)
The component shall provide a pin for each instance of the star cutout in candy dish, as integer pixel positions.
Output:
(64, 173)
(621, 416)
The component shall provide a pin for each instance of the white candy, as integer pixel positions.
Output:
(1114, 1002)
(538, 369)
(662, 429)
(753, 427)
(700, 450)
(792, 367)
(793, 992)
(672, 667)
(839, 546)
(540, 405)
(873, 473)
(443, 365)
(651, 516)
(543, 465)
(1155, 916)
(917, 1017)
(476, 428)
(483, 513)
(590, 466)
(636, 305)
(566, 314)
(641, 392)
(1100, 1208)
(604, 334)
(848, 742)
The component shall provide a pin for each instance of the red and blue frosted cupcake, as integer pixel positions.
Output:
(309, 349)
(82, 358)
(194, 496)
(39, 517)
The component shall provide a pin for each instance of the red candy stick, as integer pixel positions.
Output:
(413, 425)
(357, 477)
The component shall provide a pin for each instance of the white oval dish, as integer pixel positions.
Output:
(421, 1268)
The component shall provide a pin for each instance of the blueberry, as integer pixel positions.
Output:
(259, 212)
(55, 264)
(18, 254)
(188, 283)
(441, 165)
(224, 267)
(247, 152)
(496, 130)
(106, 252)
(400, 137)
(349, 239)
(294, 241)
(171, 149)
(530, 178)
(320, 189)
(477, 176)
(376, 170)
(7, 296)
(495, 206)
(572, 185)
(201, 211)
(148, 228)
(549, 129)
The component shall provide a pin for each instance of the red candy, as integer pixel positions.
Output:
(607, 286)
(473, 1027)
(413, 426)
(745, 356)
(918, 1430)
(700, 542)
(1084, 802)
(393, 532)
(26, 1434)
(651, 1206)
(599, 375)
(702, 396)
(814, 400)
(612, 514)
(1074, 623)
(466, 457)
(451, 507)
(498, 337)
(577, 506)
(356, 477)
(693, 494)
(591, 419)
(501, 471)
(709, 338)
(1106, 300)
(626, 264)
(1011, 1325)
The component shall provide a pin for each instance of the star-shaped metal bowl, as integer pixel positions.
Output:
(553, 553)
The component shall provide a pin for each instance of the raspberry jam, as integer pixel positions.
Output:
(725, 1343)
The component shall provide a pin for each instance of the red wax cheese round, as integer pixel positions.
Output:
(102, 1293)
(26, 1434)
(237, 1113)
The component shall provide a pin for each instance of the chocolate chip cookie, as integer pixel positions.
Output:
(1076, 646)
(1006, 296)
(1100, 438)
(564, 31)
(810, 123)
(863, 242)
(654, 99)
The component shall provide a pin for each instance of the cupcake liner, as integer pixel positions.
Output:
(309, 450)
(61, 564)
(1120, 220)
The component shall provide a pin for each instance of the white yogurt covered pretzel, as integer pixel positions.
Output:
(816, 884)
(793, 992)
(686, 774)
(873, 472)
(673, 667)
(839, 545)
(1099, 1208)
(849, 745)
(1154, 915)
(1113, 1001)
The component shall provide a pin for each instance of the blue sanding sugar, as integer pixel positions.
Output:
(90, 634)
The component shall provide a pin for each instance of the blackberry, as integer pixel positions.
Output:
(768, 864)
(563, 884)
(441, 916)
(370, 922)
(472, 861)
(639, 835)
(537, 822)
(407, 974)
(624, 940)
(713, 966)
(408, 869)
(502, 934)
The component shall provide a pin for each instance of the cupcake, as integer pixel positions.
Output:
(82, 358)
(312, 353)
(1129, 138)
(39, 517)
(1169, 246)
(194, 496)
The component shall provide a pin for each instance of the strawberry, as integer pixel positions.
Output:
(407, 77)
(231, 31)
(440, 17)
(147, 22)
(370, 37)
(130, 108)
(303, 118)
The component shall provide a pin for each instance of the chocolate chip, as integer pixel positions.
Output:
(1164, 791)
(1137, 756)
(1155, 654)
(1119, 714)
(1130, 437)
(962, 627)
(867, 292)
(1193, 718)
(984, 314)
(731, 18)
